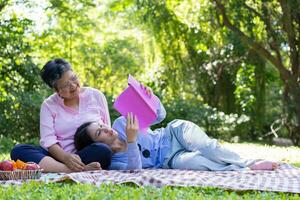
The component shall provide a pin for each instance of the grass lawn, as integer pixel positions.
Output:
(70, 190)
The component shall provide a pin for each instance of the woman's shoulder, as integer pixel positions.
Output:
(91, 91)
(119, 125)
(120, 121)
(51, 100)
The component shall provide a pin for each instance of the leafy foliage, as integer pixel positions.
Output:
(271, 29)
(215, 123)
(202, 71)
(20, 92)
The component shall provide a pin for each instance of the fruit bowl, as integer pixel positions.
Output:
(11, 170)
(20, 174)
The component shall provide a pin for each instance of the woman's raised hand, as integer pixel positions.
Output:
(73, 162)
(147, 90)
(132, 127)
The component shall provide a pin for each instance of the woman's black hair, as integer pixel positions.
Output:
(81, 137)
(53, 70)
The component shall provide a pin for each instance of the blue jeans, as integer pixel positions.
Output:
(96, 152)
(192, 149)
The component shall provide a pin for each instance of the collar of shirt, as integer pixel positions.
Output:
(60, 101)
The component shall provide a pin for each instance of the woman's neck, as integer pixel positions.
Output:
(118, 146)
(72, 103)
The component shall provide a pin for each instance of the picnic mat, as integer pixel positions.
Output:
(284, 179)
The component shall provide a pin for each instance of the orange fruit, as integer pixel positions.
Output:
(14, 165)
(20, 164)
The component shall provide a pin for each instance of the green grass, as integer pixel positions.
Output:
(84, 191)
(70, 190)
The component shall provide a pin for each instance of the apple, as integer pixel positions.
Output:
(6, 165)
(31, 166)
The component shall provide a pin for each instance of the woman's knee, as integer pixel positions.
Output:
(18, 150)
(103, 152)
(103, 148)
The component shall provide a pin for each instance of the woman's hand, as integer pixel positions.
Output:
(73, 162)
(147, 90)
(132, 127)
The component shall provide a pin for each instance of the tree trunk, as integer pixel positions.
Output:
(288, 73)
(259, 113)
(293, 104)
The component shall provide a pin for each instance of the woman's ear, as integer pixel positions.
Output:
(57, 91)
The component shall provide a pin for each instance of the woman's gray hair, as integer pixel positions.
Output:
(53, 71)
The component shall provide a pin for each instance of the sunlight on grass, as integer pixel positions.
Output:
(274, 153)
(250, 151)
(4, 156)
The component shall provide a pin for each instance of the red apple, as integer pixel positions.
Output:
(6, 165)
(32, 166)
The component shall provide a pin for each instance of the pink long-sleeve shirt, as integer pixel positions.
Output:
(58, 122)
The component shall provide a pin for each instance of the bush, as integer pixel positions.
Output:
(20, 84)
(20, 115)
(215, 123)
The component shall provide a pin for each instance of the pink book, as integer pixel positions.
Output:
(134, 99)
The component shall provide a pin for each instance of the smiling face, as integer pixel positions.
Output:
(68, 85)
(101, 133)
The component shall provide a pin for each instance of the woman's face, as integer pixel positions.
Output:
(68, 85)
(101, 133)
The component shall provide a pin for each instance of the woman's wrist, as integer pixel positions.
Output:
(65, 157)
(131, 140)
(57, 152)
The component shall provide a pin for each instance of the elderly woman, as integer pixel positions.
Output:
(61, 114)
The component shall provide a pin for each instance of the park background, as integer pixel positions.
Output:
(230, 66)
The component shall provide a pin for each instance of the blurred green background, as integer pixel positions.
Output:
(232, 68)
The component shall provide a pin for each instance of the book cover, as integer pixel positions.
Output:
(135, 99)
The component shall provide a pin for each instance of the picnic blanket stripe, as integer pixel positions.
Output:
(284, 179)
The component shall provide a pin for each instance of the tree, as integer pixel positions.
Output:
(278, 42)
(20, 91)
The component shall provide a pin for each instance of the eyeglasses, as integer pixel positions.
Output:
(68, 84)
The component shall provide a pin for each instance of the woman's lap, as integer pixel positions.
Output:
(28, 153)
(96, 152)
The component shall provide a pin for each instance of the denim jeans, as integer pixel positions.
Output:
(191, 148)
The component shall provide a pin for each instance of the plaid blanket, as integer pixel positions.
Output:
(284, 179)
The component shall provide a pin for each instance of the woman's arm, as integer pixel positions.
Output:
(72, 161)
(132, 128)
(161, 114)
(133, 159)
(127, 130)
(134, 156)
(47, 132)
(106, 114)
(48, 140)
(101, 100)
(117, 165)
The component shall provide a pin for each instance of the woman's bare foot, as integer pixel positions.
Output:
(264, 165)
(92, 166)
